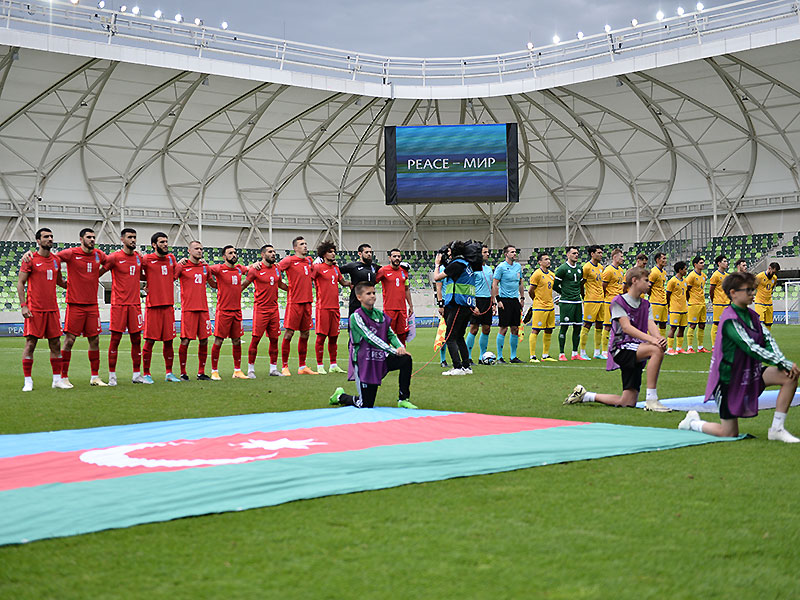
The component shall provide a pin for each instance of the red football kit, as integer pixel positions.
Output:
(41, 299)
(266, 317)
(126, 304)
(160, 273)
(326, 278)
(394, 283)
(195, 320)
(298, 271)
(83, 274)
(228, 318)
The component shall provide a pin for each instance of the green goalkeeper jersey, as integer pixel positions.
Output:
(568, 282)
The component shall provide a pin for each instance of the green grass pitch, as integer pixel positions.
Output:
(715, 521)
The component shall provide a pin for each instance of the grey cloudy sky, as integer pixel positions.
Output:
(419, 27)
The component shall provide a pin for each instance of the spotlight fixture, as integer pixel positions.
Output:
(123, 8)
(198, 21)
(634, 22)
(556, 39)
(101, 4)
(680, 11)
(580, 35)
(224, 25)
(530, 45)
(135, 10)
(607, 28)
(74, 1)
(660, 15)
(178, 18)
(699, 7)
(158, 14)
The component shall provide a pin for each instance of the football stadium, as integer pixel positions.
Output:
(501, 325)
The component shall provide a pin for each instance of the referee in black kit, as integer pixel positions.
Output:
(361, 271)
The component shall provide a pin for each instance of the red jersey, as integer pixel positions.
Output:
(266, 280)
(326, 278)
(229, 286)
(42, 276)
(298, 271)
(160, 273)
(394, 283)
(193, 279)
(83, 273)
(126, 271)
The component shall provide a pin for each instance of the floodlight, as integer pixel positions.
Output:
(634, 22)
(198, 21)
(101, 4)
(660, 15)
(556, 39)
(158, 14)
(178, 18)
(224, 25)
(580, 35)
(680, 11)
(123, 8)
(135, 10)
(74, 1)
(530, 45)
(699, 7)
(607, 28)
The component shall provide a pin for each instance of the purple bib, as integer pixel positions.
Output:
(639, 318)
(368, 365)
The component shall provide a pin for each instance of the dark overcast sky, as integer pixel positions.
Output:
(424, 28)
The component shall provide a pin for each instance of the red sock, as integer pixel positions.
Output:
(333, 346)
(183, 356)
(273, 351)
(402, 337)
(215, 357)
(286, 346)
(202, 356)
(252, 351)
(169, 355)
(94, 362)
(237, 356)
(147, 356)
(319, 347)
(302, 350)
(55, 364)
(66, 355)
(27, 367)
(113, 347)
(136, 351)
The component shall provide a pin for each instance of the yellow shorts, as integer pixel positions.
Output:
(764, 312)
(593, 311)
(697, 313)
(660, 313)
(543, 318)
(607, 313)
(718, 308)
(678, 319)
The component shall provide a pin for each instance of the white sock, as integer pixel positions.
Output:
(29, 380)
(112, 373)
(56, 378)
(273, 367)
(779, 420)
(136, 374)
(251, 367)
(651, 394)
(697, 425)
(574, 353)
(589, 396)
(301, 367)
(333, 365)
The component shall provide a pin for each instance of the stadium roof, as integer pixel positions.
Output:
(104, 114)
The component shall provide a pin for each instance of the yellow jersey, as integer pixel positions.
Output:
(720, 298)
(677, 301)
(697, 281)
(593, 288)
(614, 278)
(543, 294)
(764, 287)
(658, 287)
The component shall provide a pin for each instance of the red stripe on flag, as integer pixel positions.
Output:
(134, 459)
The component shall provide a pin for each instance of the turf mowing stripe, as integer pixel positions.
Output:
(68, 509)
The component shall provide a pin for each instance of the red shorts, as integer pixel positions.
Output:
(297, 317)
(398, 320)
(228, 324)
(44, 325)
(266, 321)
(195, 325)
(328, 321)
(82, 319)
(159, 323)
(126, 316)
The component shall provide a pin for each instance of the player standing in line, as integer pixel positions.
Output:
(483, 302)
(327, 279)
(193, 275)
(83, 315)
(298, 269)
(544, 312)
(737, 377)
(658, 292)
(696, 290)
(364, 269)
(230, 279)
(718, 298)
(676, 301)
(593, 298)
(508, 292)
(613, 284)
(126, 304)
(635, 342)
(765, 285)
(568, 282)
(741, 266)
(159, 270)
(641, 260)
(396, 290)
(266, 277)
(39, 306)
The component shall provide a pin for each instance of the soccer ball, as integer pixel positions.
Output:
(488, 358)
